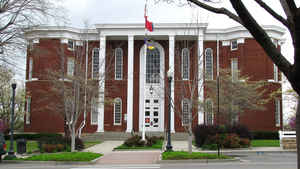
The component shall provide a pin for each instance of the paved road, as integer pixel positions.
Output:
(248, 161)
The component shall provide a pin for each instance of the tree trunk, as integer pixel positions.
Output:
(190, 138)
(73, 139)
(298, 132)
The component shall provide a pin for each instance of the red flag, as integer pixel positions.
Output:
(148, 24)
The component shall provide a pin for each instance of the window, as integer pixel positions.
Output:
(95, 66)
(234, 115)
(185, 64)
(234, 45)
(70, 66)
(234, 69)
(70, 44)
(152, 66)
(209, 64)
(94, 111)
(30, 68)
(119, 64)
(117, 111)
(275, 73)
(277, 112)
(28, 110)
(209, 112)
(185, 112)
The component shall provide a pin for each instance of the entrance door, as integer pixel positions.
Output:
(152, 114)
(151, 88)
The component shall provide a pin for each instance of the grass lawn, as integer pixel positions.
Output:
(31, 146)
(64, 156)
(265, 143)
(158, 145)
(182, 155)
(88, 144)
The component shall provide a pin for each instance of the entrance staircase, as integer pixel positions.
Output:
(123, 135)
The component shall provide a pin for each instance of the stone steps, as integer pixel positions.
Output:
(289, 143)
(123, 135)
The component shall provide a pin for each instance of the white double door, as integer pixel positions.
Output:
(152, 114)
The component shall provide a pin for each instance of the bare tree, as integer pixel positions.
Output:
(236, 96)
(5, 99)
(18, 15)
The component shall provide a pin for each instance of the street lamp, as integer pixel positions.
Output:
(11, 152)
(170, 76)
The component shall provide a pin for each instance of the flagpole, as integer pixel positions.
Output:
(145, 55)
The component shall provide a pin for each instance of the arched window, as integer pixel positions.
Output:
(153, 66)
(185, 112)
(95, 66)
(185, 64)
(209, 112)
(118, 64)
(209, 64)
(117, 111)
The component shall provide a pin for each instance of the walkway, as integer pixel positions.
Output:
(152, 156)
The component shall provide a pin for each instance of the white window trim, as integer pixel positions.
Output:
(212, 64)
(212, 113)
(30, 68)
(116, 78)
(120, 101)
(182, 58)
(232, 69)
(28, 110)
(93, 62)
(277, 111)
(231, 46)
(182, 120)
(275, 73)
(69, 71)
(92, 109)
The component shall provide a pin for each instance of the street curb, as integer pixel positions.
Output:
(48, 162)
(116, 150)
(235, 159)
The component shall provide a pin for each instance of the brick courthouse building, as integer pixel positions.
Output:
(132, 86)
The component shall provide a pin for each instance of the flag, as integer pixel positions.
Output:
(148, 24)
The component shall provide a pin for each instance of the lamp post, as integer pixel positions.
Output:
(11, 152)
(169, 146)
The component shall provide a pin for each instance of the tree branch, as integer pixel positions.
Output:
(223, 11)
(272, 12)
(262, 37)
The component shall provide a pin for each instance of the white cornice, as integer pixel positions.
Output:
(161, 30)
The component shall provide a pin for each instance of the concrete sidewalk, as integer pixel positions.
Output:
(153, 156)
(105, 147)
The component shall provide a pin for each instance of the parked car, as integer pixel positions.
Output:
(2, 145)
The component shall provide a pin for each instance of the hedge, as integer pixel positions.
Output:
(33, 136)
(265, 135)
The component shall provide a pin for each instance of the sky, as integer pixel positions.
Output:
(132, 11)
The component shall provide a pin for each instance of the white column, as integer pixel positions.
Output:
(130, 83)
(102, 51)
(171, 66)
(201, 78)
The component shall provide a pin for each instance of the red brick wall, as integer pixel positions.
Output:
(252, 61)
